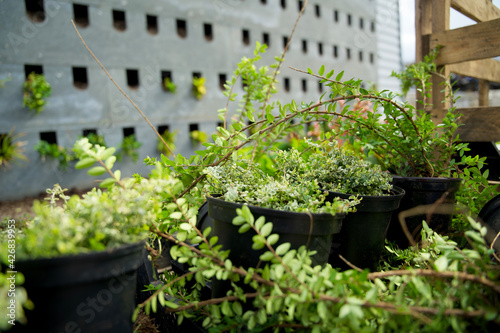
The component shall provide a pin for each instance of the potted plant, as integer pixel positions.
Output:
(11, 149)
(344, 174)
(297, 207)
(35, 90)
(80, 259)
(406, 141)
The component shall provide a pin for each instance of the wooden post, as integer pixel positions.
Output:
(484, 93)
(440, 93)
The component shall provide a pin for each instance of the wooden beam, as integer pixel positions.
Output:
(481, 124)
(440, 23)
(484, 93)
(478, 41)
(484, 69)
(477, 10)
(423, 28)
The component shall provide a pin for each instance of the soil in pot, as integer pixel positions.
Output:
(91, 292)
(422, 191)
(363, 233)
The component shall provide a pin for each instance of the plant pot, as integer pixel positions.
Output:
(90, 292)
(312, 230)
(422, 191)
(363, 233)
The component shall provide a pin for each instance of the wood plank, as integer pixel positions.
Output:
(477, 10)
(484, 69)
(440, 23)
(478, 41)
(481, 124)
(484, 93)
(423, 28)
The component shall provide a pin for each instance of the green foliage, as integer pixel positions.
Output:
(98, 220)
(169, 138)
(96, 139)
(36, 89)
(199, 89)
(288, 190)
(198, 137)
(53, 150)
(443, 288)
(169, 85)
(89, 154)
(11, 149)
(129, 147)
(340, 170)
(405, 139)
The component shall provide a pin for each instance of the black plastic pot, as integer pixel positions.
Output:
(422, 191)
(313, 230)
(363, 233)
(92, 292)
(490, 213)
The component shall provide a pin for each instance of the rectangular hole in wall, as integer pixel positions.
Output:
(349, 19)
(320, 48)
(317, 10)
(264, 2)
(119, 22)
(35, 10)
(152, 24)
(165, 77)
(320, 87)
(335, 51)
(285, 42)
(265, 38)
(163, 128)
(283, 4)
(286, 83)
(304, 85)
(133, 78)
(336, 15)
(372, 26)
(372, 58)
(360, 56)
(50, 137)
(304, 46)
(301, 4)
(81, 15)
(208, 32)
(348, 53)
(128, 131)
(361, 23)
(193, 127)
(222, 81)
(245, 37)
(181, 28)
(80, 79)
(196, 75)
(28, 69)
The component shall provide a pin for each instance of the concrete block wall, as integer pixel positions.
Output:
(350, 28)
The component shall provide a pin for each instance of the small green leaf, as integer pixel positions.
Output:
(96, 171)
(321, 70)
(107, 182)
(85, 163)
(282, 249)
(107, 153)
(110, 162)
(339, 76)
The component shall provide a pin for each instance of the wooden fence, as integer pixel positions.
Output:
(467, 51)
